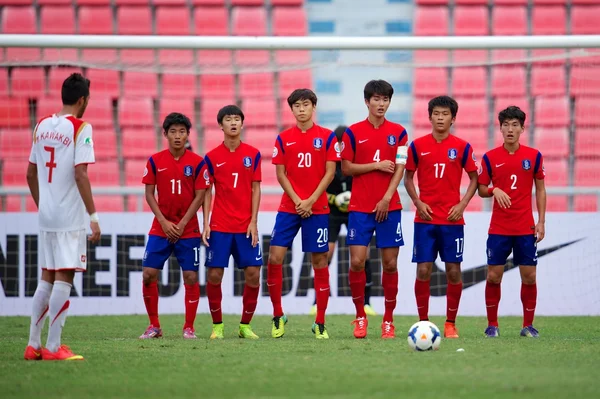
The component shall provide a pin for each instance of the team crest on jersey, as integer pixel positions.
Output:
(352, 233)
(526, 164)
(318, 143)
(391, 139)
(275, 152)
(339, 147)
(145, 171)
(452, 154)
(83, 258)
(187, 170)
(247, 162)
(473, 156)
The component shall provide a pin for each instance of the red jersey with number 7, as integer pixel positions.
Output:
(176, 183)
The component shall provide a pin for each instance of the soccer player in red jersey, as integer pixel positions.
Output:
(374, 153)
(180, 179)
(513, 169)
(305, 157)
(234, 169)
(439, 159)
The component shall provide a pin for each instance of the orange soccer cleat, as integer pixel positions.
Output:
(32, 354)
(360, 327)
(388, 330)
(63, 353)
(450, 330)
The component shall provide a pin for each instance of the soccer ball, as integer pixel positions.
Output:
(342, 201)
(424, 336)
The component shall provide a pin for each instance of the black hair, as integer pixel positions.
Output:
(443, 102)
(378, 87)
(512, 112)
(73, 88)
(176, 118)
(301, 95)
(229, 110)
(339, 131)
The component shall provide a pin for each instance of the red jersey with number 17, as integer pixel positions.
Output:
(514, 174)
(176, 183)
(304, 155)
(439, 169)
(362, 143)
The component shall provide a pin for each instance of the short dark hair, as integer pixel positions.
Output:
(301, 95)
(176, 118)
(339, 131)
(378, 87)
(512, 112)
(443, 102)
(229, 110)
(73, 88)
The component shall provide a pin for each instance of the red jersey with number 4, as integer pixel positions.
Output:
(362, 143)
(514, 174)
(233, 173)
(304, 155)
(439, 168)
(176, 182)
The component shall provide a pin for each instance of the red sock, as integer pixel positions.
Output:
(150, 293)
(192, 298)
(492, 299)
(358, 282)
(275, 284)
(453, 293)
(389, 281)
(215, 296)
(422, 293)
(249, 300)
(529, 300)
(322, 293)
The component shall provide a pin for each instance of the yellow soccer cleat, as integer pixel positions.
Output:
(313, 310)
(320, 331)
(246, 332)
(278, 329)
(369, 311)
(218, 331)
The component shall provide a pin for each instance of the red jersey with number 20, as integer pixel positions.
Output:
(363, 144)
(439, 169)
(176, 181)
(304, 155)
(514, 174)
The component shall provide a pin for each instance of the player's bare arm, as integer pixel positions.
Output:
(168, 227)
(456, 212)
(350, 168)
(307, 204)
(383, 206)
(192, 210)
(253, 226)
(32, 182)
(423, 209)
(206, 215)
(499, 195)
(85, 190)
(285, 184)
(540, 200)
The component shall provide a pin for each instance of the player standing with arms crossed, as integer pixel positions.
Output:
(305, 157)
(369, 149)
(513, 169)
(439, 159)
(180, 179)
(59, 184)
(235, 170)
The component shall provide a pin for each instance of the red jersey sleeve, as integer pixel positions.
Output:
(210, 170)
(149, 176)
(333, 148)
(485, 173)
(412, 160)
(257, 175)
(539, 172)
(347, 146)
(278, 152)
(403, 138)
(202, 176)
(469, 160)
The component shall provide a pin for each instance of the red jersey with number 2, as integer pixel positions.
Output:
(176, 183)
(439, 168)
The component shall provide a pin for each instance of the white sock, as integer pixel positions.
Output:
(59, 304)
(39, 313)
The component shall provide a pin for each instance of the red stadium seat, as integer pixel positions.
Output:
(213, 137)
(430, 57)
(208, 2)
(291, 80)
(472, 112)
(93, 2)
(262, 139)
(215, 59)
(16, 19)
(215, 86)
(269, 175)
(104, 173)
(3, 82)
(587, 110)
(14, 172)
(470, 57)
(211, 21)
(28, 82)
(584, 80)
(176, 58)
(289, 21)
(584, 20)
(587, 144)
(554, 203)
(431, 21)
(503, 102)
(269, 202)
(552, 142)
(430, 81)
(552, 112)
(548, 80)
(252, 58)
(471, 21)
(100, 112)
(179, 85)
(292, 57)
(424, 131)
(137, 144)
(257, 85)
(139, 84)
(57, 76)
(512, 56)
(586, 172)
(508, 81)
(137, 57)
(165, 18)
(97, 20)
(136, 20)
(557, 172)
(287, 2)
(249, 21)
(477, 137)
(209, 107)
(14, 204)
(132, 2)
(136, 112)
(549, 20)
(508, 20)
(586, 203)
(470, 81)
(14, 112)
(260, 112)
(105, 143)
(134, 169)
(420, 115)
(48, 105)
(169, 3)
(104, 81)
(109, 203)
(16, 144)
(57, 20)
(182, 104)
(51, 2)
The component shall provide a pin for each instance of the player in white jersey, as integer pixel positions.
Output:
(57, 178)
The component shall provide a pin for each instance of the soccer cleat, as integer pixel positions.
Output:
(320, 331)
(151, 332)
(530, 332)
(278, 329)
(63, 353)
(450, 330)
(360, 327)
(492, 332)
(246, 332)
(189, 333)
(370, 311)
(32, 354)
(313, 310)
(388, 330)
(218, 331)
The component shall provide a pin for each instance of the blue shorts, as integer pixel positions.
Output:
(523, 248)
(159, 249)
(314, 231)
(224, 245)
(443, 239)
(388, 234)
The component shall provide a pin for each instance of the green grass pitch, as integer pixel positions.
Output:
(563, 363)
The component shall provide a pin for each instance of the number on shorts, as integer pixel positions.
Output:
(323, 235)
(513, 186)
(399, 230)
(460, 244)
(196, 254)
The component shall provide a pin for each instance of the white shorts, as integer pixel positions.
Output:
(62, 250)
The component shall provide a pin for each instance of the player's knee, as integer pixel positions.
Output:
(494, 278)
(357, 264)
(190, 277)
(389, 265)
(275, 258)
(319, 260)
(214, 275)
(252, 276)
(528, 275)
(149, 275)
(423, 271)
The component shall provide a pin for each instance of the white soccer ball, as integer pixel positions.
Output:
(343, 200)
(424, 336)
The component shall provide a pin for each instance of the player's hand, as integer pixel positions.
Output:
(381, 210)
(171, 230)
(206, 235)
(252, 232)
(95, 237)
(424, 210)
(386, 166)
(540, 232)
(501, 198)
(456, 212)
(304, 208)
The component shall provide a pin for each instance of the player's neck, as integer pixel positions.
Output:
(512, 148)
(440, 136)
(67, 110)
(232, 142)
(304, 126)
(376, 121)
(177, 153)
